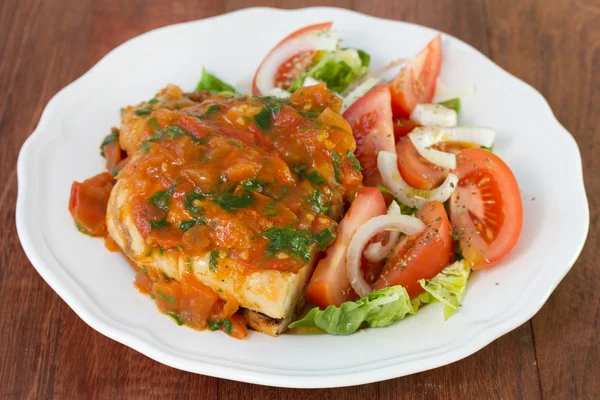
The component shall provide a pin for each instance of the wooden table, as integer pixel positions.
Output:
(47, 351)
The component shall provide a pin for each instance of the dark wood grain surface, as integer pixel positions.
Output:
(46, 351)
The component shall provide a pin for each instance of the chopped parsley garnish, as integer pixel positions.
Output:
(113, 137)
(143, 271)
(189, 201)
(319, 202)
(122, 111)
(115, 172)
(324, 238)
(225, 323)
(270, 209)
(297, 243)
(235, 144)
(175, 316)
(213, 84)
(149, 253)
(158, 224)
(188, 264)
(229, 201)
(161, 199)
(353, 160)
(153, 101)
(309, 114)
(166, 297)
(336, 160)
(263, 118)
(213, 108)
(186, 225)
(213, 260)
(161, 251)
(453, 104)
(172, 131)
(145, 147)
(407, 210)
(81, 229)
(142, 112)
(255, 185)
(313, 176)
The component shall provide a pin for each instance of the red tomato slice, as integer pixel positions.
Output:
(422, 256)
(371, 120)
(486, 208)
(287, 71)
(403, 126)
(88, 203)
(329, 283)
(416, 82)
(416, 170)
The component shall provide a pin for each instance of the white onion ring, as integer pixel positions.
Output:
(377, 251)
(387, 163)
(434, 114)
(310, 81)
(403, 223)
(314, 40)
(425, 137)
(359, 92)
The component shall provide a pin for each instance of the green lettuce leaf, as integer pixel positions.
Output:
(452, 103)
(213, 84)
(338, 69)
(447, 287)
(378, 309)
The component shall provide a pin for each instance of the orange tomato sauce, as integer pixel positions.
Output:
(232, 176)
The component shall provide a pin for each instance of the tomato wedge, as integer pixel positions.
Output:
(416, 170)
(329, 283)
(422, 256)
(402, 127)
(486, 209)
(88, 203)
(371, 120)
(416, 82)
(290, 57)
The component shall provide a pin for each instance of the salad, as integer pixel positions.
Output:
(330, 183)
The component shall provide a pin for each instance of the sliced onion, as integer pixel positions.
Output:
(278, 92)
(403, 223)
(425, 137)
(434, 114)
(312, 40)
(310, 81)
(377, 251)
(359, 92)
(387, 163)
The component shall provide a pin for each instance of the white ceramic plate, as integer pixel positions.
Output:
(97, 284)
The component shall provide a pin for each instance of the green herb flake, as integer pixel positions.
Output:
(297, 243)
(159, 224)
(255, 185)
(263, 118)
(213, 260)
(122, 111)
(190, 199)
(188, 265)
(161, 199)
(229, 201)
(153, 101)
(161, 251)
(221, 323)
(319, 202)
(353, 160)
(213, 84)
(115, 172)
(235, 144)
(166, 297)
(149, 253)
(213, 108)
(81, 229)
(143, 271)
(142, 112)
(270, 209)
(145, 147)
(336, 160)
(113, 137)
(309, 114)
(176, 317)
(180, 248)
(313, 176)
(324, 238)
(186, 225)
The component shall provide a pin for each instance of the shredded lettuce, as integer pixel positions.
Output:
(447, 287)
(378, 309)
(338, 69)
(213, 84)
